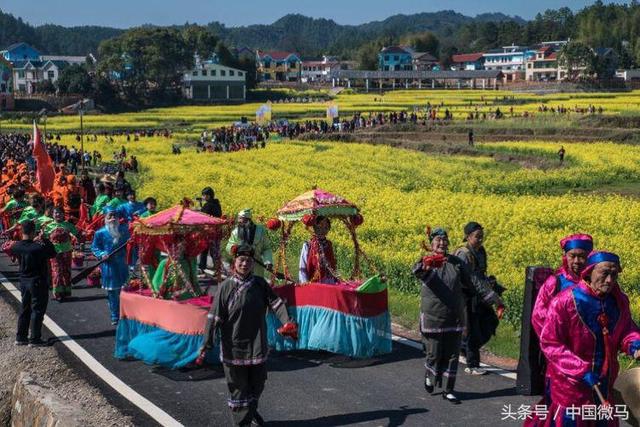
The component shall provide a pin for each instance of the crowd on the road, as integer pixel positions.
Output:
(581, 316)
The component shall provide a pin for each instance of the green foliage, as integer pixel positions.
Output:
(75, 79)
(576, 56)
(45, 86)
(147, 63)
(424, 42)
(199, 40)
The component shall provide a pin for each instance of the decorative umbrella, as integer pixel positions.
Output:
(306, 208)
(317, 202)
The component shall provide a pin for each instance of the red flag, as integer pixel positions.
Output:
(44, 172)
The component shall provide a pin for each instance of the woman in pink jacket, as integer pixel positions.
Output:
(585, 328)
(575, 249)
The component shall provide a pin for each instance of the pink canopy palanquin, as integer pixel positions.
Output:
(178, 231)
(310, 205)
(317, 202)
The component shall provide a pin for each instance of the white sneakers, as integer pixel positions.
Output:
(474, 371)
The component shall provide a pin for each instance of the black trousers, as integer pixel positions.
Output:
(35, 296)
(213, 250)
(441, 358)
(473, 342)
(246, 384)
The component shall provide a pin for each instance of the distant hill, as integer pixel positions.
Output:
(308, 36)
(53, 39)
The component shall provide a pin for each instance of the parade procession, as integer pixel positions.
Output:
(191, 287)
(320, 214)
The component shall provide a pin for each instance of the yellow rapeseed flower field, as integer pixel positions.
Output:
(525, 211)
(460, 103)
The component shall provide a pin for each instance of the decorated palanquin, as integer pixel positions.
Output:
(163, 313)
(349, 316)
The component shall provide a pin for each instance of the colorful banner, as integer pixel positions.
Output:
(332, 110)
(263, 115)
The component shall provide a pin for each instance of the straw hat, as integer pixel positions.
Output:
(108, 179)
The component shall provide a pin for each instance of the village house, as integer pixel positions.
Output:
(20, 52)
(319, 71)
(213, 82)
(405, 58)
(424, 61)
(30, 67)
(468, 61)
(395, 58)
(510, 60)
(279, 66)
(544, 66)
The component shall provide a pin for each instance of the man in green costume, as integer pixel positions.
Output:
(59, 232)
(174, 276)
(255, 235)
(118, 197)
(101, 201)
(15, 205)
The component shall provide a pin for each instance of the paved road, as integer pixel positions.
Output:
(304, 389)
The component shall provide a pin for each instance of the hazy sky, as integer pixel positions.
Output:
(127, 13)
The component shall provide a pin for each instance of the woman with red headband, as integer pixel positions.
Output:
(585, 328)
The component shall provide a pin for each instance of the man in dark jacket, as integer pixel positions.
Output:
(211, 207)
(238, 312)
(445, 279)
(482, 321)
(34, 283)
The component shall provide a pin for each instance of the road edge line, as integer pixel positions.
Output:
(97, 368)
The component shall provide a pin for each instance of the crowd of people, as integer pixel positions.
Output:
(581, 315)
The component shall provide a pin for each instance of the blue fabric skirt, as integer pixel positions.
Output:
(156, 346)
(330, 330)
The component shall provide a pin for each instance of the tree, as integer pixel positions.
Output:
(424, 42)
(147, 63)
(75, 79)
(45, 86)
(577, 58)
(199, 40)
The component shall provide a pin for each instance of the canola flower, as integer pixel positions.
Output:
(193, 119)
(400, 191)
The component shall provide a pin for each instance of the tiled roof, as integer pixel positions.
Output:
(424, 56)
(276, 55)
(394, 49)
(467, 57)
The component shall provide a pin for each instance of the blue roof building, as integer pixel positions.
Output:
(20, 52)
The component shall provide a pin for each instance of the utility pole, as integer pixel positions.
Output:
(81, 112)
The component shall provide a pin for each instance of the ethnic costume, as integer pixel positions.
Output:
(100, 202)
(130, 209)
(482, 320)
(13, 209)
(254, 235)
(442, 314)
(239, 311)
(582, 334)
(563, 279)
(114, 271)
(60, 235)
(317, 262)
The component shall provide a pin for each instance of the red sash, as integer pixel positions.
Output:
(320, 260)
